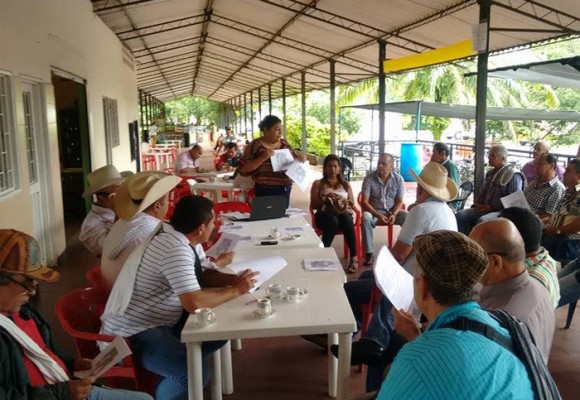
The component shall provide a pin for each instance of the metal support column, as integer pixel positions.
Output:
(252, 113)
(284, 108)
(240, 114)
(382, 94)
(270, 98)
(418, 121)
(245, 116)
(481, 99)
(332, 107)
(303, 92)
(260, 103)
(141, 115)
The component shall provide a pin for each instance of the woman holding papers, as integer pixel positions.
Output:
(257, 160)
(332, 199)
(30, 365)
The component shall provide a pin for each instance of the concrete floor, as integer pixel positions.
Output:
(290, 368)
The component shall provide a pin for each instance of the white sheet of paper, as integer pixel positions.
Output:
(281, 160)
(236, 215)
(294, 229)
(267, 266)
(225, 244)
(233, 228)
(108, 358)
(298, 172)
(516, 199)
(247, 239)
(322, 264)
(395, 283)
(296, 212)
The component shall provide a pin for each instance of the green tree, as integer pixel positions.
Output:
(204, 111)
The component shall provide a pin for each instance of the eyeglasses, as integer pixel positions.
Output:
(28, 289)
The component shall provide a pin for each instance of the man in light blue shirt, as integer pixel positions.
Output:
(442, 362)
(381, 201)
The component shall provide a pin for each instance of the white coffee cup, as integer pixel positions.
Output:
(294, 294)
(274, 233)
(204, 316)
(274, 290)
(264, 307)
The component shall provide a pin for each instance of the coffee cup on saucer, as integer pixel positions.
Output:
(274, 233)
(203, 316)
(264, 307)
(294, 294)
(274, 290)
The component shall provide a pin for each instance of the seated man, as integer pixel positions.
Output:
(546, 191)
(507, 285)
(538, 262)
(224, 140)
(230, 160)
(444, 362)
(530, 168)
(31, 367)
(500, 181)
(103, 183)
(141, 202)
(168, 283)
(188, 161)
(569, 280)
(565, 223)
(381, 200)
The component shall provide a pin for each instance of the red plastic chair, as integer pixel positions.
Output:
(250, 194)
(79, 313)
(95, 278)
(181, 190)
(367, 310)
(357, 234)
(390, 234)
(148, 162)
(218, 210)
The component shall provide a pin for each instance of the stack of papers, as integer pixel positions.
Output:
(322, 264)
(225, 244)
(236, 215)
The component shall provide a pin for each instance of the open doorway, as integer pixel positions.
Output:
(73, 142)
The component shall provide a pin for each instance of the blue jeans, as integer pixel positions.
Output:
(359, 292)
(161, 351)
(468, 218)
(102, 393)
(381, 330)
(369, 221)
(263, 190)
(569, 284)
(561, 248)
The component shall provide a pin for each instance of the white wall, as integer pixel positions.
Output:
(36, 35)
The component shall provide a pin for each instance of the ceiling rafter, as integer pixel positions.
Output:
(540, 12)
(162, 27)
(208, 11)
(167, 60)
(105, 7)
(179, 44)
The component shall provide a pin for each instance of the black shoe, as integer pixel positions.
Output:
(319, 340)
(369, 260)
(363, 352)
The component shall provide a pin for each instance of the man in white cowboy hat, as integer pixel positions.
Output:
(140, 203)
(31, 367)
(430, 213)
(103, 183)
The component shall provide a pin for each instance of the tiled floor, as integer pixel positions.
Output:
(291, 368)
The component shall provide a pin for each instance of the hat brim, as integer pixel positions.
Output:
(95, 188)
(44, 274)
(449, 193)
(124, 206)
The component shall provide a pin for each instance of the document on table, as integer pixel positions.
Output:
(281, 160)
(322, 264)
(266, 266)
(516, 199)
(298, 171)
(296, 212)
(236, 215)
(232, 228)
(108, 358)
(395, 283)
(225, 244)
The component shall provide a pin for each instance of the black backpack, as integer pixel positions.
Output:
(522, 345)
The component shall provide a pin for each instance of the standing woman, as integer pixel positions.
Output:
(332, 197)
(256, 161)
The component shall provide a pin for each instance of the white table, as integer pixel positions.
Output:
(260, 230)
(214, 188)
(325, 310)
(207, 174)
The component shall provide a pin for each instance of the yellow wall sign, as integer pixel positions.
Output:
(436, 56)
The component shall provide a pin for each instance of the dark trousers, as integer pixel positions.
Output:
(330, 224)
(264, 190)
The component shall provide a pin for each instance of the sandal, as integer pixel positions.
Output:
(352, 266)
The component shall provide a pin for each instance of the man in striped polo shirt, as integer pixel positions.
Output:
(442, 362)
(168, 283)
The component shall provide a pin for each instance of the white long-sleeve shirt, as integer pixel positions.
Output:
(96, 227)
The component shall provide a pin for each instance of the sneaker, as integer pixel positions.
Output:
(369, 260)
(352, 265)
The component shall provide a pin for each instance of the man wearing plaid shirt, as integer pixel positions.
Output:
(545, 192)
(562, 235)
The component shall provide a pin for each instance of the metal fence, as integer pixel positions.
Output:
(364, 155)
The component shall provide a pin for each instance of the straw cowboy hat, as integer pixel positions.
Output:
(434, 180)
(101, 178)
(141, 190)
(20, 255)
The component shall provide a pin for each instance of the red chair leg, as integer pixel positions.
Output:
(390, 236)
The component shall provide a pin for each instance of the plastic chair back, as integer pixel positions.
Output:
(465, 190)
(346, 167)
(179, 191)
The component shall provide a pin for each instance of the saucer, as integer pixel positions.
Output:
(304, 294)
(263, 316)
(275, 237)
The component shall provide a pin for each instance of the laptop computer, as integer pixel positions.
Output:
(267, 207)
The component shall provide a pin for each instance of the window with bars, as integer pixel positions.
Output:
(111, 126)
(30, 138)
(8, 164)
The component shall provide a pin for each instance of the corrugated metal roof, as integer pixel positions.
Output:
(225, 48)
(461, 111)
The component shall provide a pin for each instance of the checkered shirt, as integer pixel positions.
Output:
(569, 208)
(544, 198)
